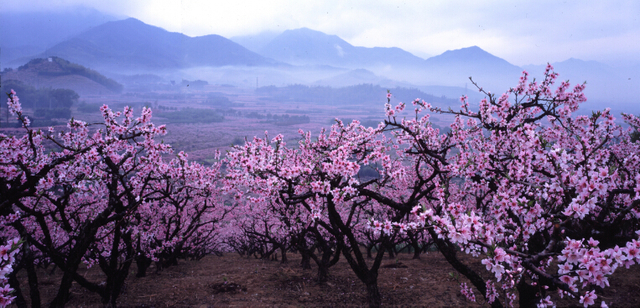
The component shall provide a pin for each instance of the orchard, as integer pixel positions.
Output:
(546, 199)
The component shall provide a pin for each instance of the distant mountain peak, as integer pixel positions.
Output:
(304, 46)
(306, 30)
(127, 21)
(472, 54)
(474, 51)
(579, 61)
(131, 44)
(307, 33)
(131, 19)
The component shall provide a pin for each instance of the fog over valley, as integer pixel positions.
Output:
(108, 57)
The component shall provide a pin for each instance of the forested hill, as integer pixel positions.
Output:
(56, 72)
(352, 95)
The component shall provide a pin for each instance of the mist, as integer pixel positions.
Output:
(145, 58)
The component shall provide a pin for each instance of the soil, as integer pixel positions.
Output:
(235, 281)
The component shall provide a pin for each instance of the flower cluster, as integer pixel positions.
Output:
(467, 292)
(7, 259)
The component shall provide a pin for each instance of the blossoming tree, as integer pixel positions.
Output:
(320, 179)
(550, 200)
(93, 197)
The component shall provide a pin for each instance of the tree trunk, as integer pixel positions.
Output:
(323, 274)
(373, 294)
(391, 251)
(143, 264)
(416, 246)
(449, 251)
(15, 284)
(283, 251)
(34, 291)
(416, 254)
(118, 272)
(306, 260)
(63, 292)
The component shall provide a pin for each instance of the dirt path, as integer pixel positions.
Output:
(235, 281)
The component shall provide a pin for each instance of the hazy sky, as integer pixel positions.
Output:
(521, 32)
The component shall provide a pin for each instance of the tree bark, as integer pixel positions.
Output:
(34, 290)
(449, 251)
(283, 251)
(62, 297)
(143, 264)
(373, 294)
(15, 284)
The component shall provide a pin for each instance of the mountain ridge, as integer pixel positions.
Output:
(131, 44)
(305, 46)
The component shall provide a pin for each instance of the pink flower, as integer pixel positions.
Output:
(588, 298)
(4, 252)
(387, 228)
(500, 255)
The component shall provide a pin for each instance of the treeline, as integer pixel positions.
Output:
(193, 115)
(68, 68)
(283, 119)
(198, 84)
(352, 95)
(46, 103)
(43, 98)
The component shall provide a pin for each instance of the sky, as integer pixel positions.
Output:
(521, 32)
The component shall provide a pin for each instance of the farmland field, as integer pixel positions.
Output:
(201, 139)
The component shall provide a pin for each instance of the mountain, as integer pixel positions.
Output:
(28, 33)
(309, 47)
(454, 67)
(130, 45)
(58, 73)
(255, 42)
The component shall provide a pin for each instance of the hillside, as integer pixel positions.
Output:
(58, 73)
(129, 45)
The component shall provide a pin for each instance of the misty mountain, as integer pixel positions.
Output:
(130, 45)
(255, 42)
(29, 33)
(454, 67)
(57, 73)
(309, 47)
